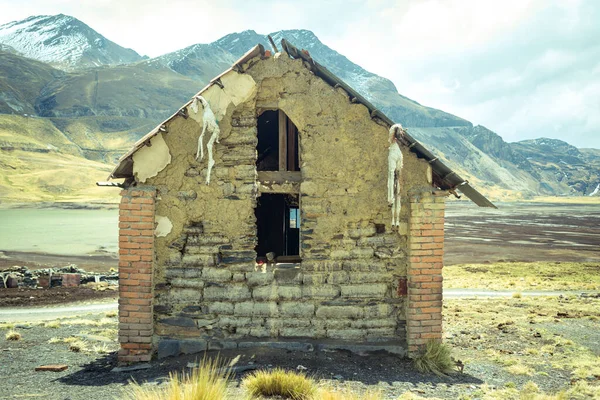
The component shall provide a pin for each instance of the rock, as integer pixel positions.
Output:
(129, 368)
(168, 348)
(52, 367)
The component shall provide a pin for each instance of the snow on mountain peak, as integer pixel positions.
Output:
(62, 40)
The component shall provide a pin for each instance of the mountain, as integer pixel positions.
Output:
(375, 88)
(64, 42)
(21, 81)
(94, 113)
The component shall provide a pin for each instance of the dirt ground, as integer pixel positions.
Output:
(521, 232)
(504, 344)
(25, 297)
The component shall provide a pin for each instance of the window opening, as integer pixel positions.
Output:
(278, 227)
(277, 142)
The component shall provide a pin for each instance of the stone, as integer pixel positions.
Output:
(167, 348)
(256, 309)
(221, 345)
(297, 309)
(178, 321)
(227, 292)
(216, 274)
(220, 308)
(52, 368)
(259, 278)
(290, 276)
(374, 290)
(324, 291)
(192, 346)
(129, 368)
(337, 312)
(275, 292)
(292, 346)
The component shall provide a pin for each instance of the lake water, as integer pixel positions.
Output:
(59, 231)
(516, 231)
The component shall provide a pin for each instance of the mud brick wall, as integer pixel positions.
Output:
(136, 254)
(208, 291)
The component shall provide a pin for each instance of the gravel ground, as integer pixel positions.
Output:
(89, 374)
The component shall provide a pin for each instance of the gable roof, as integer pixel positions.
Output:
(443, 177)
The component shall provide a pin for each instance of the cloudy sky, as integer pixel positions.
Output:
(523, 68)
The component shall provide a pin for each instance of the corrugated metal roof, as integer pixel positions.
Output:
(443, 177)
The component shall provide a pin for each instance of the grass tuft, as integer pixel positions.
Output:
(207, 382)
(519, 369)
(434, 357)
(52, 324)
(13, 335)
(78, 346)
(278, 382)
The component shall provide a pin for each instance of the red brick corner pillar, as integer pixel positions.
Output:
(426, 253)
(136, 255)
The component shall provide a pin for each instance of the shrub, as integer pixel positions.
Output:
(207, 382)
(434, 357)
(13, 335)
(287, 384)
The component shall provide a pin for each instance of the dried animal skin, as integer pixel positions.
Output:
(209, 122)
(395, 163)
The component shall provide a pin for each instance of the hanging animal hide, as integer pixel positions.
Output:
(209, 123)
(395, 162)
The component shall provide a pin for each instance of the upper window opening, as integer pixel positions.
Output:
(277, 142)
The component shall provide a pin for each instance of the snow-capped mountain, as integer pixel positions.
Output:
(101, 107)
(199, 61)
(63, 41)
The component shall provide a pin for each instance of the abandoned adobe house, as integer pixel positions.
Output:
(278, 208)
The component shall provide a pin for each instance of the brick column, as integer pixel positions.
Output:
(136, 255)
(426, 253)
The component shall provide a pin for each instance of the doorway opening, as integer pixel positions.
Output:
(278, 227)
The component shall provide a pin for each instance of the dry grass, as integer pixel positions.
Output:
(79, 346)
(52, 324)
(206, 382)
(332, 393)
(526, 336)
(111, 314)
(278, 382)
(520, 369)
(530, 391)
(435, 358)
(521, 276)
(13, 335)
(7, 325)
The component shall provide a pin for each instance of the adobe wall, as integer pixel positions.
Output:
(348, 290)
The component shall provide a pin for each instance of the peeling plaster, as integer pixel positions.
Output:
(163, 226)
(239, 87)
(150, 160)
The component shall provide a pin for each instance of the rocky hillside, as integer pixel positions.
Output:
(98, 109)
(63, 41)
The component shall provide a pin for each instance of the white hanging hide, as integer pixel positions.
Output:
(395, 163)
(209, 123)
